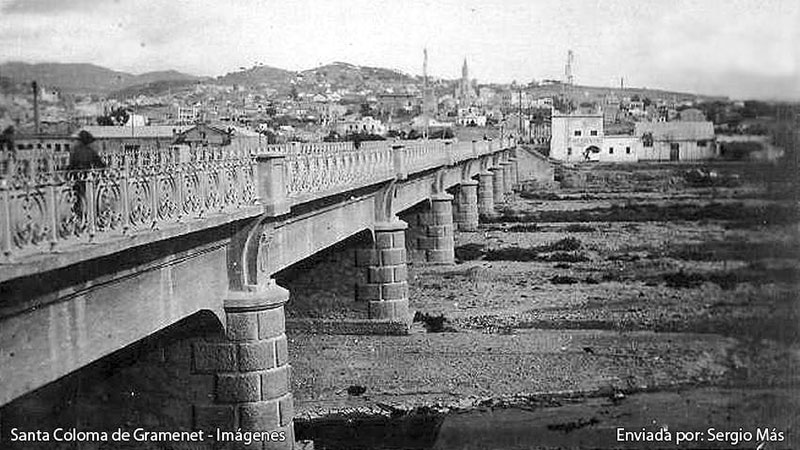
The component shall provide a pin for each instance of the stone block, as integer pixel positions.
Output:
(383, 274)
(400, 273)
(388, 310)
(271, 323)
(209, 417)
(242, 326)
(367, 257)
(384, 239)
(368, 292)
(426, 243)
(444, 256)
(276, 382)
(394, 291)
(393, 257)
(286, 408)
(440, 230)
(213, 357)
(238, 387)
(257, 356)
(262, 416)
(399, 239)
(281, 351)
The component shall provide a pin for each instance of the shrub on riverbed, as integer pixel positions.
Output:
(567, 244)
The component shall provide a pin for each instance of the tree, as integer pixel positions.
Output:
(118, 116)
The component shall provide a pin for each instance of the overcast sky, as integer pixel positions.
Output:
(740, 48)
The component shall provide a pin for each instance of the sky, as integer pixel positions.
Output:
(737, 48)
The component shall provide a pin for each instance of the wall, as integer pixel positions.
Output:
(533, 166)
(620, 146)
(689, 151)
(563, 136)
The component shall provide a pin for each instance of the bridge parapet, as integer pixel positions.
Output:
(41, 210)
(44, 208)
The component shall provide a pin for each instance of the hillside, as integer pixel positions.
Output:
(82, 78)
(589, 93)
(155, 88)
(259, 76)
(340, 72)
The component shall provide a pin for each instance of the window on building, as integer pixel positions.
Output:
(647, 139)
(577, 132)
(569, 150)
(593, 133)
(628, 150)
(701, 143)
(66, 147)
(610, 150)
(58, 147)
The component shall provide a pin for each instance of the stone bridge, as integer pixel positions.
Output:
(93, 262)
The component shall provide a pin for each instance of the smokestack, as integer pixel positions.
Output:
(35, 87)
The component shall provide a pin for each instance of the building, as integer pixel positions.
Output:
(576, 137)
(204, 135)
(465, 94)
(400, 104)
(581, 137)
(361, 125)
(117, 137)
(676, 141)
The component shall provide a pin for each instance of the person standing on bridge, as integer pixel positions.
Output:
(82, 157)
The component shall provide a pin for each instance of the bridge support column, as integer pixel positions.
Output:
(514, 172)
(465, 208)
(486, 194)
(508, 182)
(252, 387)
(438, 241)
(386, 288)
(498, 184)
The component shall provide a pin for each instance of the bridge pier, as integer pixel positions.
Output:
(252, 384)
(498, 184)
(508, 182)
(386, 289)
(438, 241)
(513, 173)
(486, 194)
(430, 236)
(465, 207)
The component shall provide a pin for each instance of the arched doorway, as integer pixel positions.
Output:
(589, 151)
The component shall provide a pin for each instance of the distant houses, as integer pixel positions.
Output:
(581, 137)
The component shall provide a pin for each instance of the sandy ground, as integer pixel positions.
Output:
(643, 300)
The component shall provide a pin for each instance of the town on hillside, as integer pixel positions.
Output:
(44, 106)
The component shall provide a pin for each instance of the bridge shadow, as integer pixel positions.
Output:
(147, 384)
(323, 286)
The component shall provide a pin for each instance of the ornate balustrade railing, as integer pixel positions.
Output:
(44, 207)
(42, 210)
(309, 175)
(423, 155)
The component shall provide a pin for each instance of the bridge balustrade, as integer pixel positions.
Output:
(43, 206)
(309, 175)
(40, 210)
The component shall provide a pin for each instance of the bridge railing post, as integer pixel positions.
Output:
(271, 183)
(448, 151)
(400, 169)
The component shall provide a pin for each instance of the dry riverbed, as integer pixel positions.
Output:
(577, 311)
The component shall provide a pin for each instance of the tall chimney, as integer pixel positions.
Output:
(35, 87)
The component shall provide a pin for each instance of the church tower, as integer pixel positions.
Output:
(464, 87)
